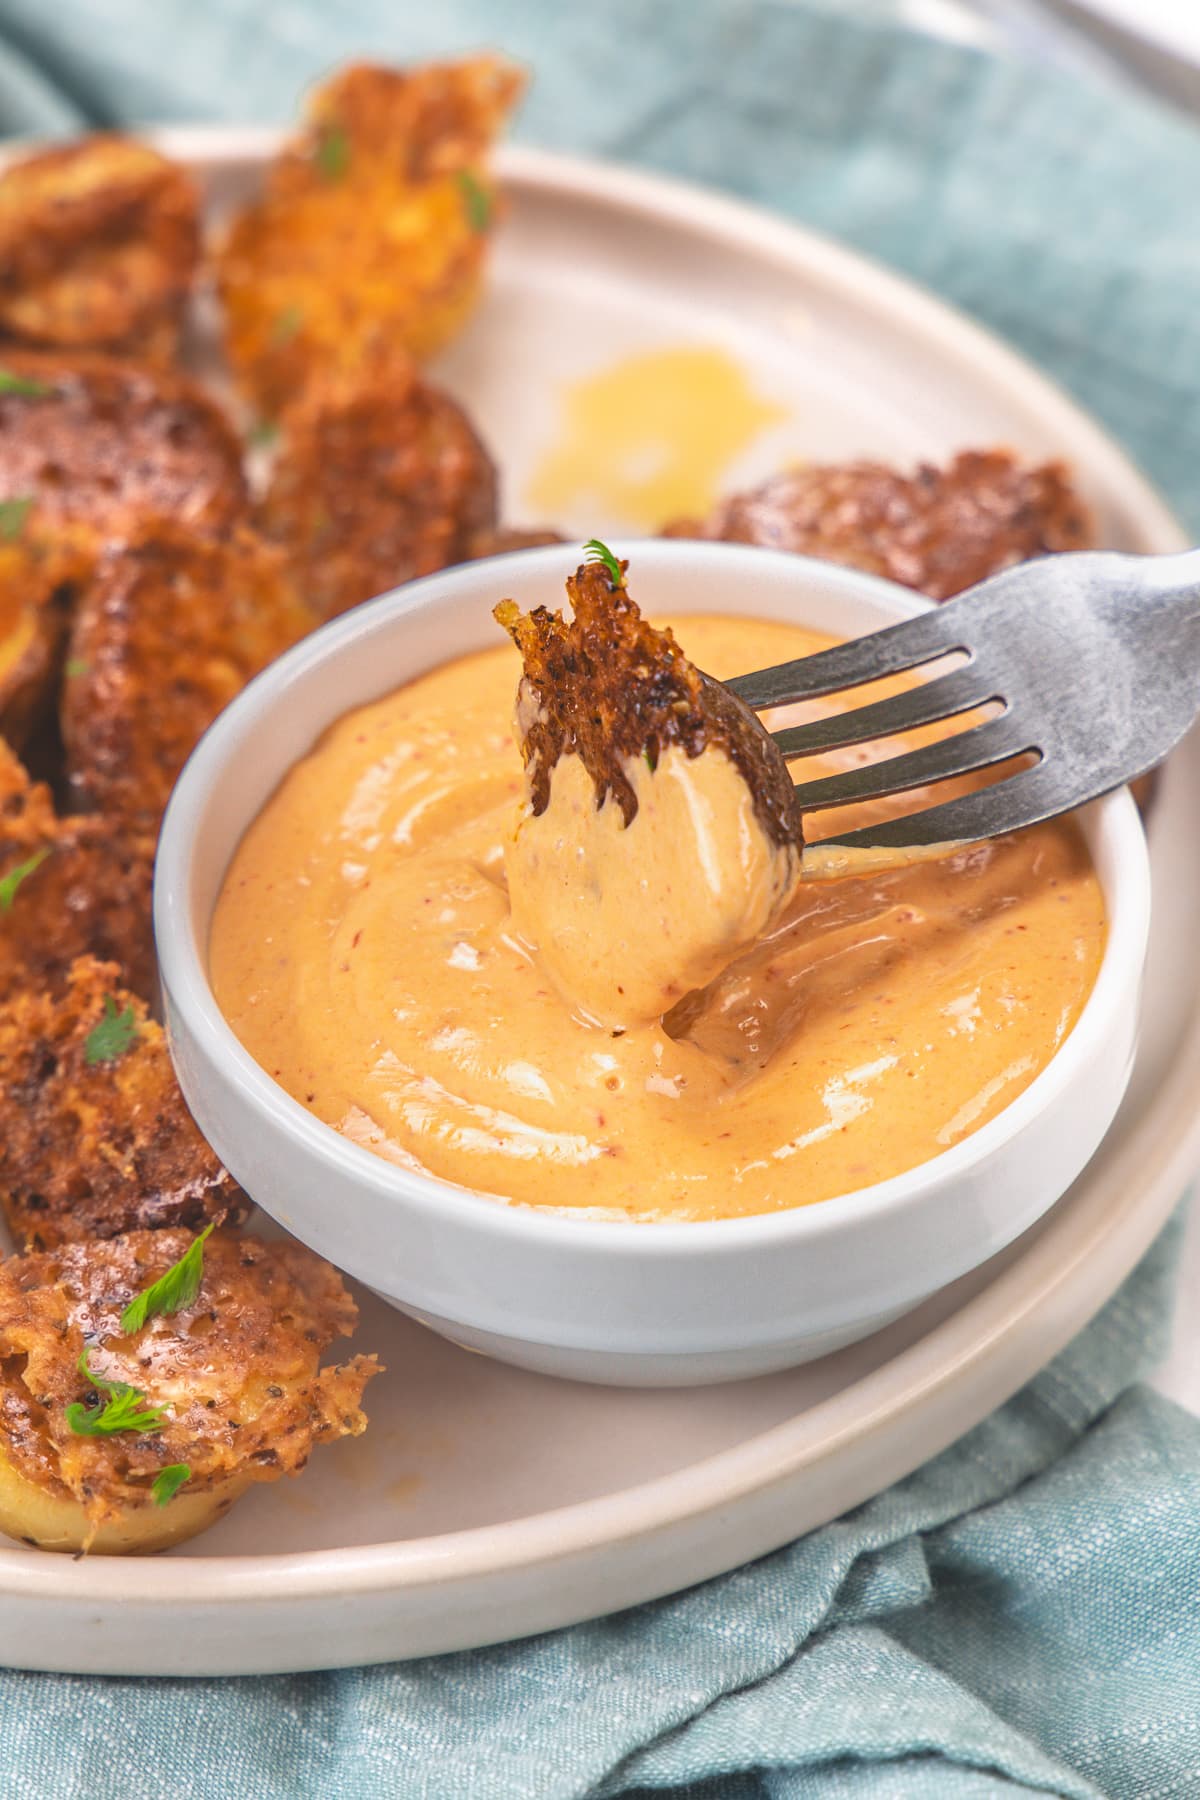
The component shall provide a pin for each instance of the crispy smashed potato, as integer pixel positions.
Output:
(372, 230)
(236, 1375)
(171, 627)
(610, 688)
(379, 478)
(99, 242)
(95, 1138)
(939, 530)
(89, 447)
(69, 887)
(37, 588)
(511, 537)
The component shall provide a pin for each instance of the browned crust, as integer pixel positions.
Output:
(608, 687)
(110, 444)
(364, 240)
(99, 244)
(380, 477)
(937, 530)
(170, 628)
(241, 1365)
(38, 586)
(90, 896)
(91, 1150)
(505, 538)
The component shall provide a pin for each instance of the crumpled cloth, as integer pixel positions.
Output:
(1022, 1615)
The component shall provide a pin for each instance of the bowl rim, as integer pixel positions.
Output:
(184, 974)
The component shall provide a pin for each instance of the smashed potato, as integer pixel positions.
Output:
(939, 530)
(99, 243)
(371, 234)
(69, 887)
(659, 836)
(231, 1385)
(612, 689)
(379, 478)
(95, 1138)
(37, 588)
(170, 628)
(89, 447)
(504, 538)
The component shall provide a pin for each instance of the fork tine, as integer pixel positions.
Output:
(925, 704)
(1025, 798)
(887, 652)
(978, 748)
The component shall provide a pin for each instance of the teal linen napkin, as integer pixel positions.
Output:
(1023, 1614)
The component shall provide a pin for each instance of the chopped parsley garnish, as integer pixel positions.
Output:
(477, 200)
(77, 665)
(13, 514)
(332, 154)
(595, 551)
(125, 1408)
(168, 1482)
(262, 434)
(21, 384)
(111, 1036)
(287, 325)
(12, 881)
(172, 1291)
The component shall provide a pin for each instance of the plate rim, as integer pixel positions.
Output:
(983, 1346)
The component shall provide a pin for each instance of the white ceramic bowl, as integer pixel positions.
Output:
(640, 1304)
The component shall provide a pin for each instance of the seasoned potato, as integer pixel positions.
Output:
(37, 587)
(171, 627)
(504, 538)
(90, 446)
(69, 887)
(95, 1138)
(938, 531)
(379, 478)
(372, 231)
(99, 241)
(229, 1388)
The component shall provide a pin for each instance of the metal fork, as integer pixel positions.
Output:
(1094, 659)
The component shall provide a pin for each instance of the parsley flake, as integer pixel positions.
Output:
(120, 1411)
(12, 881)
(286, 326)
(168, 1482)
(262, 434)
(332, 154)
(77, 665)
(595, 551)
(172, 1291)
(21, 384)
(111, 1036)
(13, 514)
(477, 200)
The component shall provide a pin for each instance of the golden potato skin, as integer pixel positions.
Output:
(938, 530)
(372, 230)
(505, 538)
(89, 896)
(110, 443)
(170, 628)
(38, 586)
(238, 1372)
(99, 245)
(95, 1149)
(380, 477)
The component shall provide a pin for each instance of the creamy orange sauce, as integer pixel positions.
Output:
(365, 951)
(650, 437)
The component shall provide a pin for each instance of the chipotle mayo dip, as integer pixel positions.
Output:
(365, 951)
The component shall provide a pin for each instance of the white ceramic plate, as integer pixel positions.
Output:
(485, 1502)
